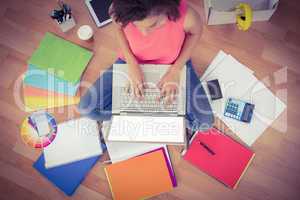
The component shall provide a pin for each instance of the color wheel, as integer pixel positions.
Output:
(30, 134)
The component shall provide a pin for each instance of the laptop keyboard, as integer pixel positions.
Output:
(149, 104)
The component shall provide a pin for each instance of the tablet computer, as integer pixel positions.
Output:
(99, 11)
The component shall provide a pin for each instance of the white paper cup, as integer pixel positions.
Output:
(85, 33)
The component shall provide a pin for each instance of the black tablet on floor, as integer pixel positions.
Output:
(99, 11)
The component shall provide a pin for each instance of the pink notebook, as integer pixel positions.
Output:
(219, 156)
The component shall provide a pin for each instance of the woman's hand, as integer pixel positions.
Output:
(169, 84)
(136, 80)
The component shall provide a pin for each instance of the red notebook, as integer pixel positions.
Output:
(219, 156)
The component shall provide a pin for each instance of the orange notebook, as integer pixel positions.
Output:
(33, 91)
(139, 177)
(36, 98)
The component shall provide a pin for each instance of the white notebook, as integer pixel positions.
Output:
(76, 140)
(169, 130)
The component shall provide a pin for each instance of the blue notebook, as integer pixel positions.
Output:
(42, 79)
(66, 177)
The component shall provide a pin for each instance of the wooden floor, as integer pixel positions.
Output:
(266, 48)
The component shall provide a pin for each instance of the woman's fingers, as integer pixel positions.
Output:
(162, 93)
(141, 91)
(170, 94)
(137, 91)
(160, 84)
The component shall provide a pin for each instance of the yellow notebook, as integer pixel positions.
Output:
(140, 177)
(33, 103)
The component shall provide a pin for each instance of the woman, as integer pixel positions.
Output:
(156, 32)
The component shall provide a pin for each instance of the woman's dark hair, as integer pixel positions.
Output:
(125, 11)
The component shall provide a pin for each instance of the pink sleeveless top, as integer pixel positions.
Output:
(162, 45)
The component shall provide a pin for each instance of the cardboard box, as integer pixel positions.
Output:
(223, 11)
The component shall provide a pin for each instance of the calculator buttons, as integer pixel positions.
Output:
(232, 110)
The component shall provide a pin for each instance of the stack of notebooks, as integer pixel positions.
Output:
(68, 159)
(53, 74)
(138, 170)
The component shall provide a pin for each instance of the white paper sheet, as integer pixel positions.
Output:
(219, 57)
(238, 81)
(267, 108)
(76, 140)
(217, 60)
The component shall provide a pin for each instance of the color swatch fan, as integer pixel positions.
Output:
(35, 134)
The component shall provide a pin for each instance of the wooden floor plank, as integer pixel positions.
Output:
(28, 182)
(8, 76)
(10, 190)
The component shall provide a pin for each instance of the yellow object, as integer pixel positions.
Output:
(244, 16)
(33, 103)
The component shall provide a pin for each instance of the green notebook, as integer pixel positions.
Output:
(67, 59)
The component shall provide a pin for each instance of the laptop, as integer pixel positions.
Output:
(147, 120)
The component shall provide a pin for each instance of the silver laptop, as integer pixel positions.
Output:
(147, 120)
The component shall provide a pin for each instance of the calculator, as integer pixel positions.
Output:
(239, 110)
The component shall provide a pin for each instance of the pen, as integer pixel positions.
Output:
(207, 148)
(57, 15)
